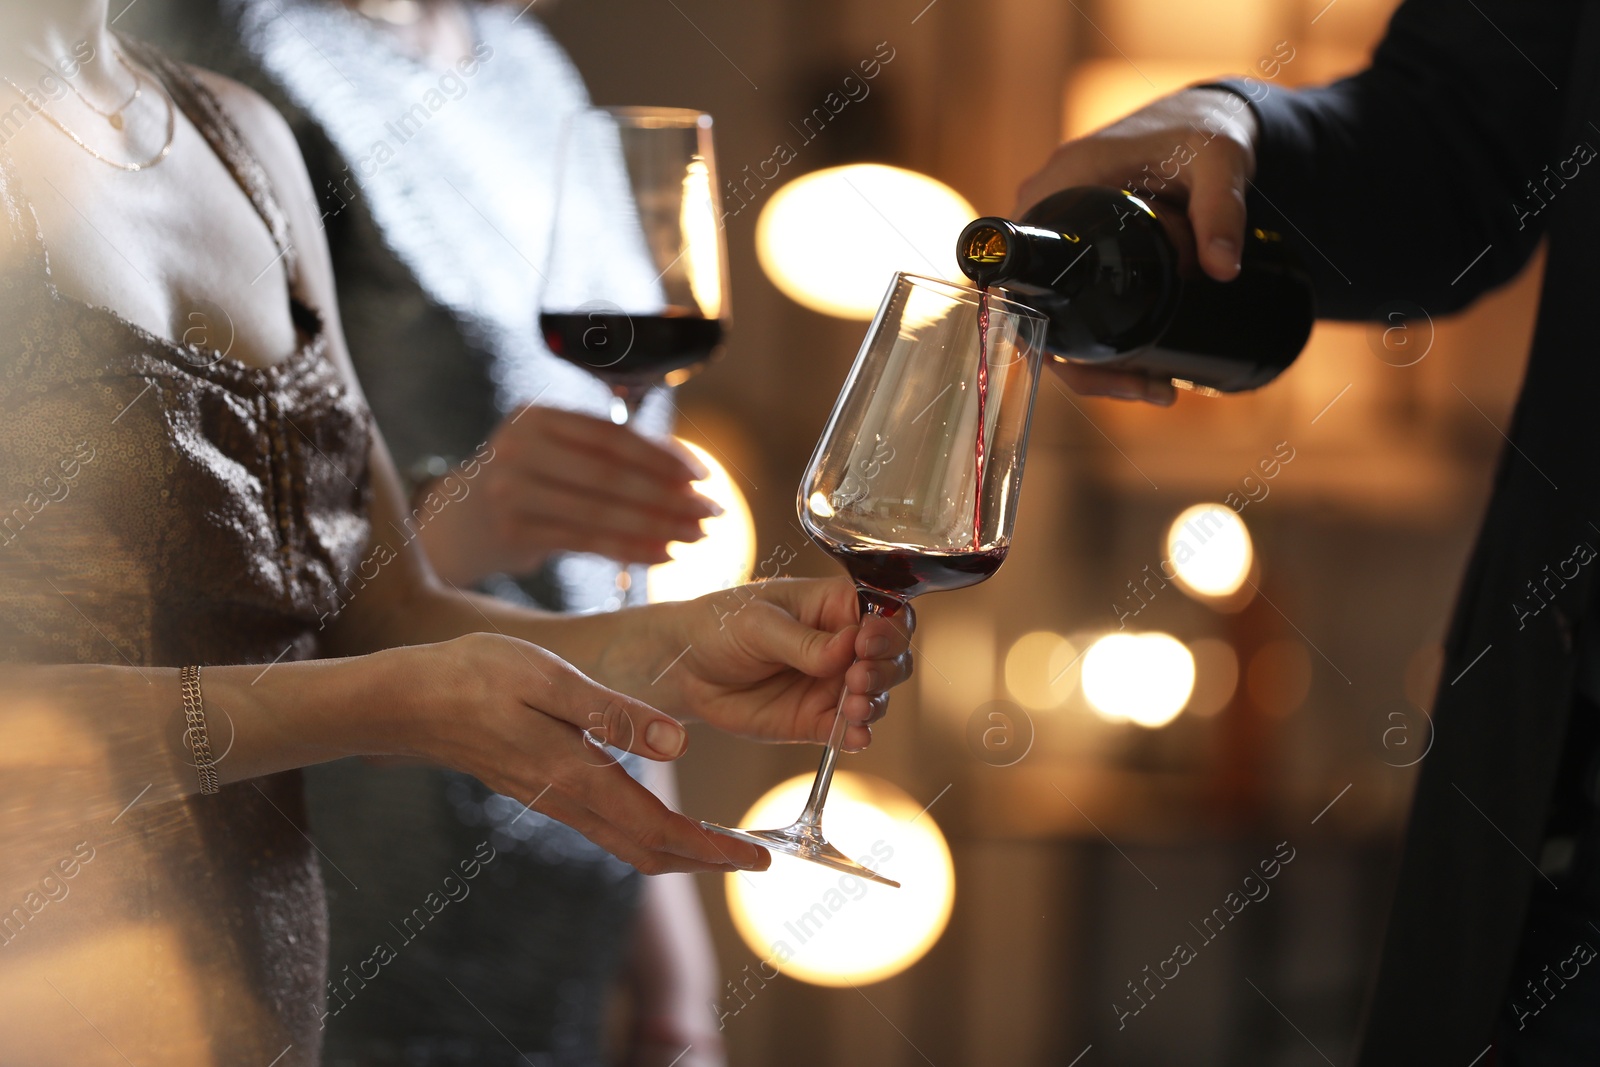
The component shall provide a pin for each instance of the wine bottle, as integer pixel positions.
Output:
(1120, 286)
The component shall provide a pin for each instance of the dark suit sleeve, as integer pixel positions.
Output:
(1393, 181)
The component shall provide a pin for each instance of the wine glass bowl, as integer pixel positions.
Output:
(913, 485)
(897, 489)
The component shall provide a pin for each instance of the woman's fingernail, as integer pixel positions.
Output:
(876, 646)
(667, 738)
(874, 682)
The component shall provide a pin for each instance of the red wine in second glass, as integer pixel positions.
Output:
(902, 573)
(631, 348)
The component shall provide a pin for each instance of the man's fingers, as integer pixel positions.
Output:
(1079, 162)
(1217, 207)
(1091, 380)
(1059, 173)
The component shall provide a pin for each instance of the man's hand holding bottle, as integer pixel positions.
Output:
(1213, 133)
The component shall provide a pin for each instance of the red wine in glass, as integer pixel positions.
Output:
(902, 573)
(626, 348)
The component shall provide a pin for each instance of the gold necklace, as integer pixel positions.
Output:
(113, 117)
(130, 168)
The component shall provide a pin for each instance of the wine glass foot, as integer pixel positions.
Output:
(805, 843)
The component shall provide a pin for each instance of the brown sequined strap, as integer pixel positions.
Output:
(209, 116)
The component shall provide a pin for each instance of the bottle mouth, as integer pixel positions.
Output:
(986, 246)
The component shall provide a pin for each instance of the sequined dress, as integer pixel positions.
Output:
(437, 191)
(166, 505)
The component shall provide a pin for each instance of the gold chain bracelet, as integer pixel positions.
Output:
(194, 713)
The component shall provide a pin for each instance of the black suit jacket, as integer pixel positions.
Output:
(1411, 181)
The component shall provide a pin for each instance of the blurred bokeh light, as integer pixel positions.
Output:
(702, 237)
(1036, 670)
(1140, 678)
(1216, 676)
(724, 557)
(835, 929)
(1210, 550)
(831, 239)
(1101, 91)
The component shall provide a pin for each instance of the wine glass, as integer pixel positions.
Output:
(636, 287)
(913, 486)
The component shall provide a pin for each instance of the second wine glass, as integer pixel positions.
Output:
(647, 302)
(913, 486)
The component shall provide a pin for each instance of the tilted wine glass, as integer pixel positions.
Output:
(913, 486)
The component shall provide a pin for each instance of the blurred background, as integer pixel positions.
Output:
(1065, 812)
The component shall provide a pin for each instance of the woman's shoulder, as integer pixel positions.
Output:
(264, 131)
(267, 138)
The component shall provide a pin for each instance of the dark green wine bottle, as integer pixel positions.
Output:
(1103, 267)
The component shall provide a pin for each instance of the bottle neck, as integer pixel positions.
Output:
(985, 249)
(993, 251)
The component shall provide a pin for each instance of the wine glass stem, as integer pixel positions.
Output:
(811, 818)
(625, 404)
(626, 400)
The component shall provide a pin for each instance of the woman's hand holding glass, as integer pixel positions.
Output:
(532, 726)
(558, 481)
(765, 661)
